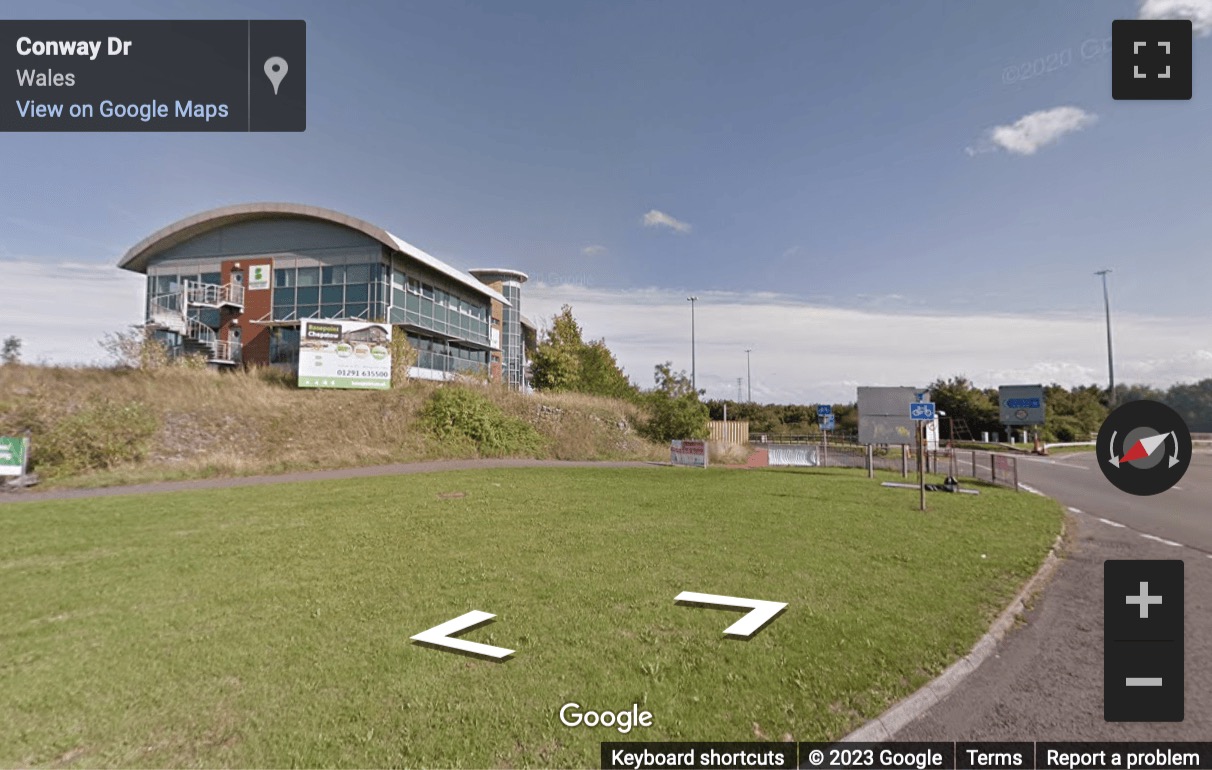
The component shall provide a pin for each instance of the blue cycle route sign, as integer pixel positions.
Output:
(922, 411)
(824, 410)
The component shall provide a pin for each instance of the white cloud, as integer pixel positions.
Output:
(62, 309)
(803, 353)
(594, 250)
(656, 218)
(791, 252)
(1198, 11)
(1031, 132)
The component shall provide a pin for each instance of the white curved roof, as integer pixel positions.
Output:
(137, 257)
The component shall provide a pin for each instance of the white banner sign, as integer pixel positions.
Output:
(690, 453)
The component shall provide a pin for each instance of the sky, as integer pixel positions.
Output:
(859, 192)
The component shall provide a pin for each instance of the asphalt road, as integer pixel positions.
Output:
(1046, 681)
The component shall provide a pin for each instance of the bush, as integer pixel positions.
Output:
(458, 413)
(674, 417)
(100, 435)
(403, 357)
(1065, 428)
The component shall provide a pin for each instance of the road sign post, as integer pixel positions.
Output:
(921, 412)
(826, 422)
(921, 472)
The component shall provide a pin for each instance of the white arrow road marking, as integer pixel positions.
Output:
(442, 635)
(762, 612)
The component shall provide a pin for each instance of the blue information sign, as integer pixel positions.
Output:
(1023, 403)
(828, 422)
(824, 409)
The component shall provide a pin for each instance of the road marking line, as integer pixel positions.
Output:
(1112, 523)
(1032, 490)
(1077, 510)
(1160, 540)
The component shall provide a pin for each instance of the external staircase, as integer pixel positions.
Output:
(170, 312)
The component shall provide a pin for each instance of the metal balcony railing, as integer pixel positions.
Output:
(214, 295)
(170, 312)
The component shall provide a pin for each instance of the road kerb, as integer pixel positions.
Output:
(886, 725)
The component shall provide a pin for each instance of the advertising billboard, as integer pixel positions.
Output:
(1021, 404)
(884, 414)
(344, 354)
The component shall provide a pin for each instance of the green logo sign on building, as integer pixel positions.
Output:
(12, 456)
(258, 277)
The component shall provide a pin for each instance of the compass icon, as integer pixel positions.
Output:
(1144, 447)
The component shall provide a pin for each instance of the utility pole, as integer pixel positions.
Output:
(1110, 357)
(693, 380)
(749, 373)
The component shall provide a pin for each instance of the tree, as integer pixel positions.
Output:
(960, 399)
(12, 350)
(1193, 402)
(564, 361)
(135, 348)
(671, 383)
(675, 411)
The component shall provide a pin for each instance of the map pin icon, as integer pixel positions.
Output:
(275, 70)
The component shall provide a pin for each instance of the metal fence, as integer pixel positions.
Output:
(980, 465)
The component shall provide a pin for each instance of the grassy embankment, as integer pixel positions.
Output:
(95, 427)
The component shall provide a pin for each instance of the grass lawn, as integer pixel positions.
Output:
(268, 626)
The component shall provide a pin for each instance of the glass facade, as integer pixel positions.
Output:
(511, 335)
(440, 356)
(336, 291)
(418, 303)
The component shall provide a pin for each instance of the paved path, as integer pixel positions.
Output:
(326, 475)
(1046, 682)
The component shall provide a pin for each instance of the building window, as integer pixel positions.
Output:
(283, 345)
(358, 273)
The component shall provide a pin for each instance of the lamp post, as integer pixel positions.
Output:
(1110, 358)
(693, 381)
(749, 373)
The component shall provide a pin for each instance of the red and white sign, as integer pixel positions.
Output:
(690, 453)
